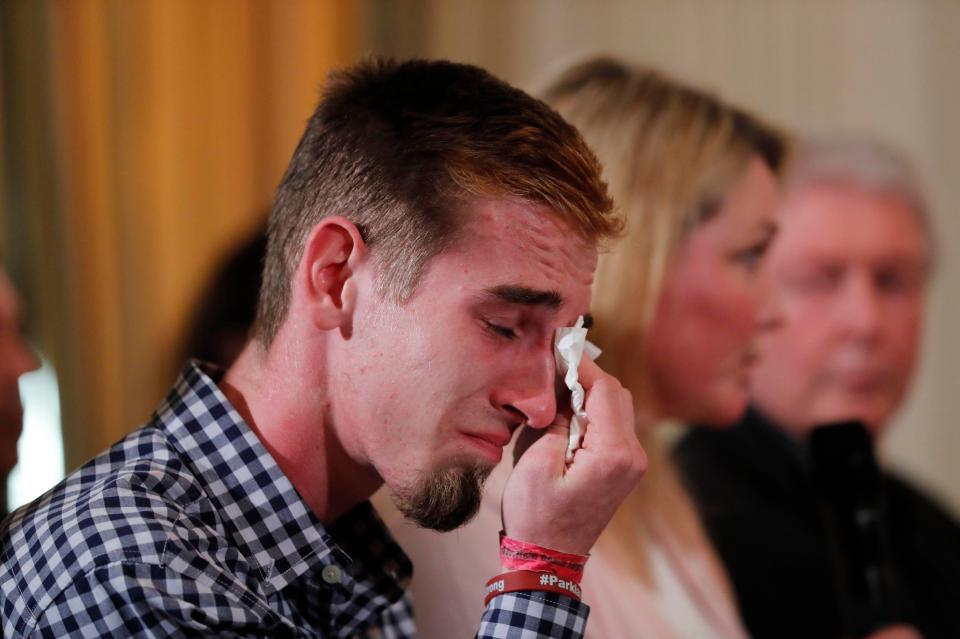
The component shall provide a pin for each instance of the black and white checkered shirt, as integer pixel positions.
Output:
(187, 527)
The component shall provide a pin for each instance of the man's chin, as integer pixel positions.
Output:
(445, 499)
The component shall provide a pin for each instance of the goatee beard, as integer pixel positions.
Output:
(444, 500)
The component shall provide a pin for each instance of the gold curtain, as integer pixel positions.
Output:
(141, 141)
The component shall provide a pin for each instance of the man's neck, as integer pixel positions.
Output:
(284, 406)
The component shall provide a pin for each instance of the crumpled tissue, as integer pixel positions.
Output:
(569, 346)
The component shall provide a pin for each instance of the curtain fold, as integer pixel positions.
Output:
(141, 141)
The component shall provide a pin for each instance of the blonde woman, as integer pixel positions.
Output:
(677, 304)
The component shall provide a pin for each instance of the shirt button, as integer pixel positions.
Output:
(331, 574)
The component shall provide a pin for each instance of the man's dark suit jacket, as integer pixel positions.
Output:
(753, 488)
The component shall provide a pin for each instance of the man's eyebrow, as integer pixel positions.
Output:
(525, 296)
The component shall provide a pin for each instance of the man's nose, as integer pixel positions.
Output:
(531, 391)
(860, 311)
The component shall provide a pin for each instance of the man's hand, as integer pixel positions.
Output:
(548, 503)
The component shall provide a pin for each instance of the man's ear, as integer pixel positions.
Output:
(331, 254)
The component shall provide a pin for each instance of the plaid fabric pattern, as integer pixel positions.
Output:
(187, 527)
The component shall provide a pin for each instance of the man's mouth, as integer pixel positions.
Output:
(862, 380)
(490, 443)
(864, 384)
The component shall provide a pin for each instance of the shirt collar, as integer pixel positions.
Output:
(267, 519)
(784, 458)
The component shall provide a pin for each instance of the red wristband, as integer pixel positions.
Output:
(530, 581)
(520, 555)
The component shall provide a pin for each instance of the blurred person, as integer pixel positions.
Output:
(677, 305)
(851, 267)
(16, 358)
(220, 325)
(388, 348)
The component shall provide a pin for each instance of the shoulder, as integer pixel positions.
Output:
(920, 515)
(908, 494)
(133, 503)
(131, 598)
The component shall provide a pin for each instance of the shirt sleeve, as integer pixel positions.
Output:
(531, 615)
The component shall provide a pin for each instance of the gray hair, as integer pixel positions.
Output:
(867, 163)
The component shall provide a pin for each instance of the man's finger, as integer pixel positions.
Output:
(611, 425)
(589, 372)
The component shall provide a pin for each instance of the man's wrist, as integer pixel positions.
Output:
(520, 555)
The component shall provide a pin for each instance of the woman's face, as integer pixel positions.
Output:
(713, 300)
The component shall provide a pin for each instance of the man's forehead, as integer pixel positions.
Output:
(491, 216)
(830, 200)
(535, 228)
(511, 251)
(821, 213)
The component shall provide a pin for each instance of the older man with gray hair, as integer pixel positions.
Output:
(851, 268)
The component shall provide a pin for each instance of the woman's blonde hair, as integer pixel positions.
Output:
(669, 153)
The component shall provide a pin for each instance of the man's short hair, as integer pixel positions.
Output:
(867, 164)
(400, 149)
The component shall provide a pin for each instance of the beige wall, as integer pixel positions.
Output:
(885, 67)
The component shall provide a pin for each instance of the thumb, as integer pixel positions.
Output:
(543, 448)
(528, 436)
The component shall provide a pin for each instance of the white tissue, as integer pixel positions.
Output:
(568, 347)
